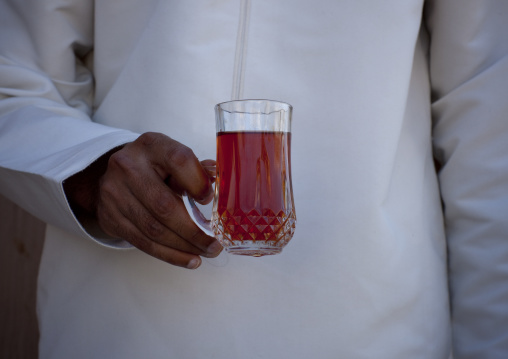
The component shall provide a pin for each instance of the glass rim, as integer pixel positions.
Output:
(285, 105)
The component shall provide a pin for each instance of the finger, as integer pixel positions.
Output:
(115, 224)
(153, 229)
(173, 159)
(157, 203)
(210, 167)
(211, 171)
(170, 210)
(121, 227)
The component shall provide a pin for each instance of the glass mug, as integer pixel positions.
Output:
(253, 207)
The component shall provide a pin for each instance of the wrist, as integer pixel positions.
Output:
(82, 188)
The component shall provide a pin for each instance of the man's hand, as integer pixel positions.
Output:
(135, 193)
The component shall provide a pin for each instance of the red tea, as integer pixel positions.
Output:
(254, 206)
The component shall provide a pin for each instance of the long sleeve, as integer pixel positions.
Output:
(469, 76)
(46, 103)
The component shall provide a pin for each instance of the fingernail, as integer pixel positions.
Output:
(214, 247)
(193, 263)
(211, 171)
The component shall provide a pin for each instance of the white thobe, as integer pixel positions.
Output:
(378, 89)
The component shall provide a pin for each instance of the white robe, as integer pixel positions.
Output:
(376, 87)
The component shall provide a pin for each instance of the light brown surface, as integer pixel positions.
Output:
(21, 240)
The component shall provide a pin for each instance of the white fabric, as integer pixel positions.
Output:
(366, 274)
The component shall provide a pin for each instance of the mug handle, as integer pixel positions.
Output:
(203, 223)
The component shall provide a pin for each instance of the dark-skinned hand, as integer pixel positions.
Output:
(135, 192)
